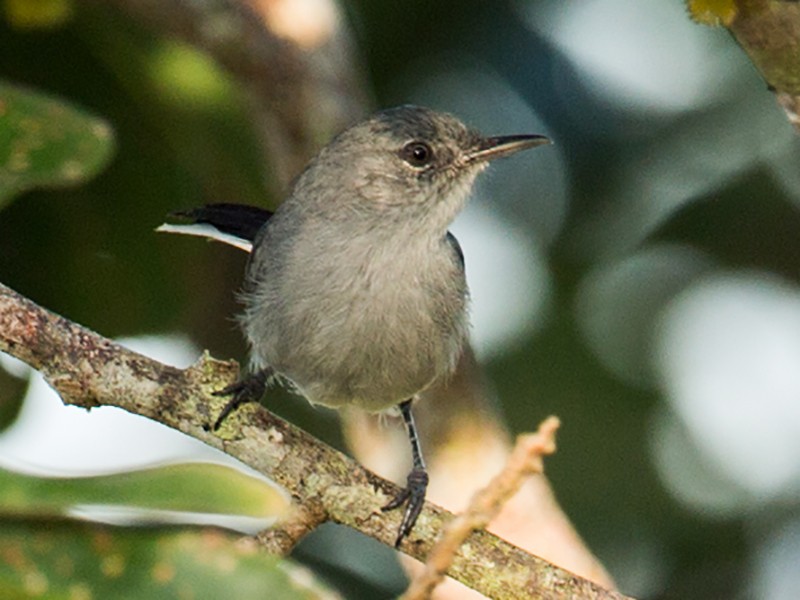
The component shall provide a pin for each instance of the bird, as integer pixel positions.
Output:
(355, 291)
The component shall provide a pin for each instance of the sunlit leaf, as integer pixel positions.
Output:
(194, 487)
(45, 142)
(75, 560)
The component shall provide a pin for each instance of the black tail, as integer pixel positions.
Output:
(238, 220)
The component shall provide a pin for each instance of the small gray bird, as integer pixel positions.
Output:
(355, 292)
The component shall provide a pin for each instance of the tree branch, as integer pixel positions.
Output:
(89, 370)
(769, 32)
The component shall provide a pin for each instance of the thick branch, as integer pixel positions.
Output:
(89, 370)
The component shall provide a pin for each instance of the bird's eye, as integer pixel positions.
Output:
(417, 154)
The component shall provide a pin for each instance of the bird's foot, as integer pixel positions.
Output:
(413, 496)
(248, 389)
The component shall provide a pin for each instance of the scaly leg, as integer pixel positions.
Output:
(416, 483)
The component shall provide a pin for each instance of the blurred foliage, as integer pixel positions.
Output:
(62, 559)
(177, 146)
(195, 487)
(46, 143)
(37, 14)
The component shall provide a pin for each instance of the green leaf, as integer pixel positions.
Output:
(62, 559)
(37, 14)
(45, 142)
(192, 487)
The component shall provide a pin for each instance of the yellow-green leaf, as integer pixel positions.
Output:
(45, 142)
(62, 559)
(192, 487)
(37, 14)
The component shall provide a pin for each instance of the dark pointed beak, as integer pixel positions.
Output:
(505, 145)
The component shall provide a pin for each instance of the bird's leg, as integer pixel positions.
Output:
(416, 482)
(248, 389)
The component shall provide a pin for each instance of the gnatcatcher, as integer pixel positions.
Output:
(355, 292)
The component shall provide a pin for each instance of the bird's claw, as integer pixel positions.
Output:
(413, 496)
(246, 390)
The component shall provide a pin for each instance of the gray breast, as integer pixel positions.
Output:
(347, 323)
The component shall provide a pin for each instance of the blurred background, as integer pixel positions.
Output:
(640, 278)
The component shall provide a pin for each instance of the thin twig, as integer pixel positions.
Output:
(526, 459)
